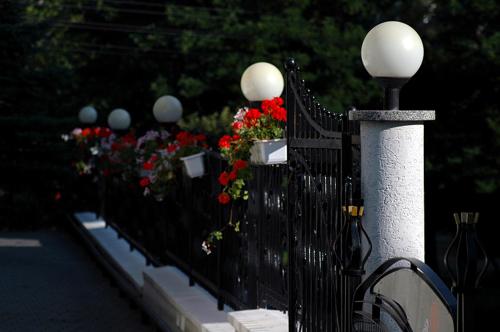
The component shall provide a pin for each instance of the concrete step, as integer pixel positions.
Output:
(164, 291)
(167, 291)
(259, 320)
(131, 262)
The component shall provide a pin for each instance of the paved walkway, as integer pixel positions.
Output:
(49, 283)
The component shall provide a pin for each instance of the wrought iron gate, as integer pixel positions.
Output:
(323, 150)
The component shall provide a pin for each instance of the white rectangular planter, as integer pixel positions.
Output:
(193, 165)
(268, 152)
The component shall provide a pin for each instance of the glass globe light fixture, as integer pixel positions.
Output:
(167, 109)
(261, 81)
(119, 119)
(87, 115)
(392, 53)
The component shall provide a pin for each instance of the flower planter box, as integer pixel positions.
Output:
(268, 152)
(193, 165)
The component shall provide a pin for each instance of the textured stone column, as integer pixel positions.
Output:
(392, 182)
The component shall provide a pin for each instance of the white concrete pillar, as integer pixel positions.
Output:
(392, 182)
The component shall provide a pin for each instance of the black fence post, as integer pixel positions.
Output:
(219, 223)
(187, 184)
(290, 66)
(254, 214)
(466, 261)
(348, 249)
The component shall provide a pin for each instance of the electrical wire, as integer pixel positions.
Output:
(115, 28)
(148, 4)
(138, 29)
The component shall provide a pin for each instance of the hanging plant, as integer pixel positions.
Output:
(250, 125)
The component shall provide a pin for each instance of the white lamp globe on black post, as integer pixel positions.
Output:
(119, 120)
(87, 115)
(261, 81)
(392, 52)
(167, 109)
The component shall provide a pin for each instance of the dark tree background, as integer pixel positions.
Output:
(59, 55)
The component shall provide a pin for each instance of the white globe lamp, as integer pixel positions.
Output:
(392, 53)
(167, 109)
(87, 115)
(119, 119)
(261, 81)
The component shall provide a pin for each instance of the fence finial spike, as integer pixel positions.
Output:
(290, 64)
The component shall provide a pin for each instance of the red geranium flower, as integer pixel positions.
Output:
(240, 164)
(251, 117)
(115, 146)
(144, 182)
(129, 139)
(233, 175)
(184, 138)
(224, 198)
(237, 126)
(225, 142)
(104, 132)
(171, 148)
(224, 178)
(200, 138)
(148, 166)
(86, 132)
(279, 114)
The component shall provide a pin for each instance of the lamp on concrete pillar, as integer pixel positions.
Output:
(392, 148)
(87, 115)
(119, 120)
(261, 81)
(392, 52)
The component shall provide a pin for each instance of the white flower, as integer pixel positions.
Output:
(87, 169)
(76, 132)
(65, 137)
(241, 114)
(148, 136)
(164, 134)
(206, 248)
(94, 150)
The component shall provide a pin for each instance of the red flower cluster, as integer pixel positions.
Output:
(240, 164)
(123, 142)
(224, 198)
(185, 138)
(226, 140)
(274, 108)
(226, 177)
(101, 132)
(172, 147)
(237, 125)
(144, 182)
(150, 164)
(251, 117)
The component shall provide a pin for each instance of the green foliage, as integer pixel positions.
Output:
(59, 55)
(214, 124)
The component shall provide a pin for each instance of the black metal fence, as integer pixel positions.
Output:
(320, 159)
(300, 246)
(248, 268)
(298, 203)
